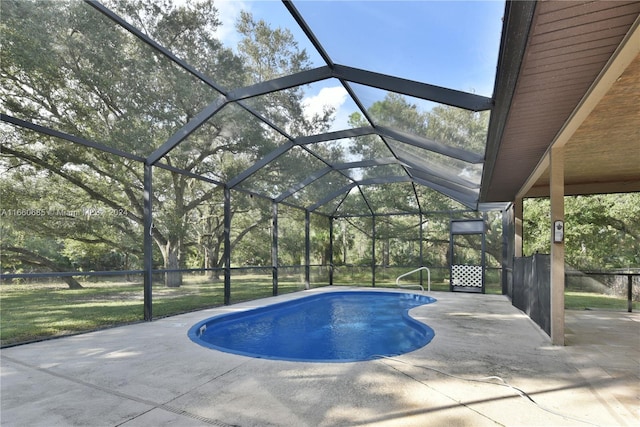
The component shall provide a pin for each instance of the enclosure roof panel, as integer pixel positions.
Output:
(60, 62)
(448, 44)
(282, 173)
(485, 87)
(304, 102)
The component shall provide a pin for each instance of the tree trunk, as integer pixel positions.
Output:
(210, 246)
(128, 277)
(214, 263)
(385, 253)
(171, 254)
(73, 283)
(29, 257)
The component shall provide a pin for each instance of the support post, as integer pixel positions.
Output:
(330, 251)
(518, 226)
(508, 239)
(274, 249)
(483, 255)
(148, 242)
(373, 251)
(227, 246)
(630, 293)
(421, 252)
(557, 245)
(307, 249)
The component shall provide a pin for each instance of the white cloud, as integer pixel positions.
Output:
(328, 97)
(228, 13)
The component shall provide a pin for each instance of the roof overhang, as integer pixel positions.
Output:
(569, 75)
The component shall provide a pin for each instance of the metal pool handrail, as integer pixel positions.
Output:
(413, 271)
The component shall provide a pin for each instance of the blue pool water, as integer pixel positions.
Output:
(333, 327)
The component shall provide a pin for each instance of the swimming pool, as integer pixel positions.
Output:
(341, 326)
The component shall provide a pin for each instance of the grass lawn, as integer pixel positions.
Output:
(32, 312)
(586, 301)
(38, 311)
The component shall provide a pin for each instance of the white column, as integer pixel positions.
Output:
(557, 247)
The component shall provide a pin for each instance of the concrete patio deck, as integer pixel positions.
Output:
(151, 374)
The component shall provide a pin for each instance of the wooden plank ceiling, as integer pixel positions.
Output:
(568, 46)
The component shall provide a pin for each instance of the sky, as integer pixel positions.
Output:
(453, 44)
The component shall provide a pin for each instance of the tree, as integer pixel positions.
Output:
(67, 67)
(601, 231)
(40, 206)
